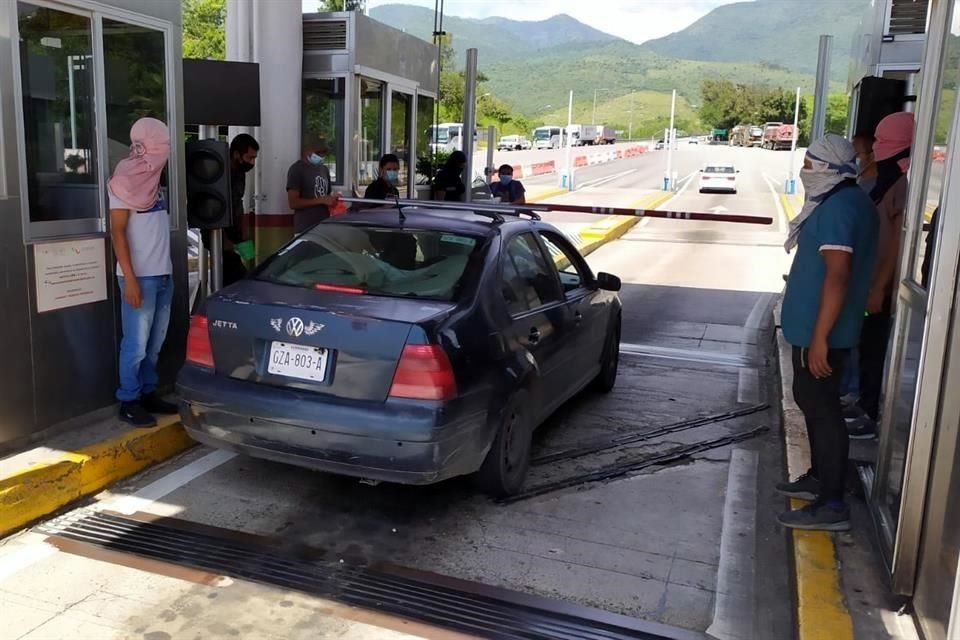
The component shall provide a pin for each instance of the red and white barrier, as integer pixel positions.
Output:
(579, 161)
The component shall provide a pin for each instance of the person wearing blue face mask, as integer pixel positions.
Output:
(508, 189)
(309, 191)
(385, 186)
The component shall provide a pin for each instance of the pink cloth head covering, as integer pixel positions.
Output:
(894, 134)
(136, 180)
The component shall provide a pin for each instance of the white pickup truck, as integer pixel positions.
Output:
(513, 143)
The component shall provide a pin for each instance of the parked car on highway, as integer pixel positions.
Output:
(658, 146)
(404, 345)
(718, 177)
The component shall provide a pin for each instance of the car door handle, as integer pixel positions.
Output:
(577, 317)
(534, 335)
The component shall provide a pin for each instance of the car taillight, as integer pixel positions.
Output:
(199, 349)
(424, 373)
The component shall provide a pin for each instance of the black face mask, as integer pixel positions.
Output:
(245, 166)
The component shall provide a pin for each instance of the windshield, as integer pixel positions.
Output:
(756, 131)
(376, 261)
(541, 134)
(718, 170)
(440, 135)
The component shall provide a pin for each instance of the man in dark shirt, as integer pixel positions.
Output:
(448, 185)
(309, 192)
(243, 156)
(385, 186)
(508, 189)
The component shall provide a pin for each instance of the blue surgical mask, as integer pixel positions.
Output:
(505, 180)
(391, 176)
(314, 159)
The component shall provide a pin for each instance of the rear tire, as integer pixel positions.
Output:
(505, 467)
(606, 380)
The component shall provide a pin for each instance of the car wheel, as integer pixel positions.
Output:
(506, 464)
(609, 361)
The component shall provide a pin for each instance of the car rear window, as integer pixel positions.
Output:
(377, 261)
(718, 170)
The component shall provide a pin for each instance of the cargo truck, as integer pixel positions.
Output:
(778, 137)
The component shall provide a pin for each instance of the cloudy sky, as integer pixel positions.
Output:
(635, 20)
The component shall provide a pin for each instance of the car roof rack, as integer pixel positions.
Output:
(494, 211)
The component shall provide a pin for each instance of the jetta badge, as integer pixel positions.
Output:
(313, 328)
(277, 324)
(295, 327)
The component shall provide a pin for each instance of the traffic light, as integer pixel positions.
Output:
(209, 195)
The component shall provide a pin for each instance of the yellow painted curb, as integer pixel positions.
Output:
(547, 194)
(822, 613)
(43, 488)
(788, 209)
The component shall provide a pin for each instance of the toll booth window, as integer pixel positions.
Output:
(56, 70)
(369, 137)
(401, 106)
(425, 117)
(323, 118)
(135, 82)
(937, 164)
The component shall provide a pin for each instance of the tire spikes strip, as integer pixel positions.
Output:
(618, 470)
(619, 441)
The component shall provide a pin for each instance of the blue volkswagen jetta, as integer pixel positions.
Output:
(408, 346)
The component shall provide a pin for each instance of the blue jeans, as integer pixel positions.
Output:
(144, 331)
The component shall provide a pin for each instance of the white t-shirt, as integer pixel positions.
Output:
(148, 236)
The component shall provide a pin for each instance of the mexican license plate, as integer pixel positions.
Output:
(298, 361)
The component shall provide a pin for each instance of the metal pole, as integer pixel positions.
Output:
(791, 186)
(567, 178)
(668, 179)
(818, 126)
(593, 118)
(73, 104)
(216, 235)
(469, 118)
(491, 142)
(633, 100)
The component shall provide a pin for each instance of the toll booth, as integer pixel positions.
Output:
(81, 74)
(368, 89)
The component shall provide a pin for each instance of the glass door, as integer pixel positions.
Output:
(401, 134)
(915, 364)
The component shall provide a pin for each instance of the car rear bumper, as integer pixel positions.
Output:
(402, 442)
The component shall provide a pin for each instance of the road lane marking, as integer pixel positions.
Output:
(32, 552)
(776, 202)
(604, 180)
(167, 484)
(734, 608)
(687, 355)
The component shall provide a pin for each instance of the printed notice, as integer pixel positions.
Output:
(70, 273)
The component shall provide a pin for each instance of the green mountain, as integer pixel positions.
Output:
(774, 32)
(496, 38)
(615, 70)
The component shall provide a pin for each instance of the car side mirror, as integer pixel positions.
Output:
(701, 170)
(608, 282)
(738, 170)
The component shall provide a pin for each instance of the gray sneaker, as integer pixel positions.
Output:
(817, 517)
(806, 487)
(863, 428)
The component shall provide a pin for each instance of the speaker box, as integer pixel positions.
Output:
(879, 97)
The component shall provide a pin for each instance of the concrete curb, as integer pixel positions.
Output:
(822, 613)
(555, 191)
(41, 489)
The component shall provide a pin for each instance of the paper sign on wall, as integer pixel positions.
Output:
(70, 273)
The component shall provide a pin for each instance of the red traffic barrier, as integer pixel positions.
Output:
(655, 213)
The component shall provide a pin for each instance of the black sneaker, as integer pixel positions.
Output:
(817, 517)
(852, 412)
(806, 487)
(863, 429)
(153, 403)
(134, 413)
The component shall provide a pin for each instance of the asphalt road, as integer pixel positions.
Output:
(659, 544)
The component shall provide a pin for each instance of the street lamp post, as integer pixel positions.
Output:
(595, 92)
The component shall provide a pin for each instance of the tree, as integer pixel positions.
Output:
(342, 5)
(204, 33)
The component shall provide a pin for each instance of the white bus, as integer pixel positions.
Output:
(448, 136)
(548, 137)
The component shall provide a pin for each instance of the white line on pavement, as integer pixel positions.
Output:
(604, 180)
(167, 484)
(688, 182)
(31, 552)
(776, 201)
(734, 607)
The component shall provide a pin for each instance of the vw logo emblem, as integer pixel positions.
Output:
(295, 327)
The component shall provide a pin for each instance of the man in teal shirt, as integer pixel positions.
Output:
(823, 307)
